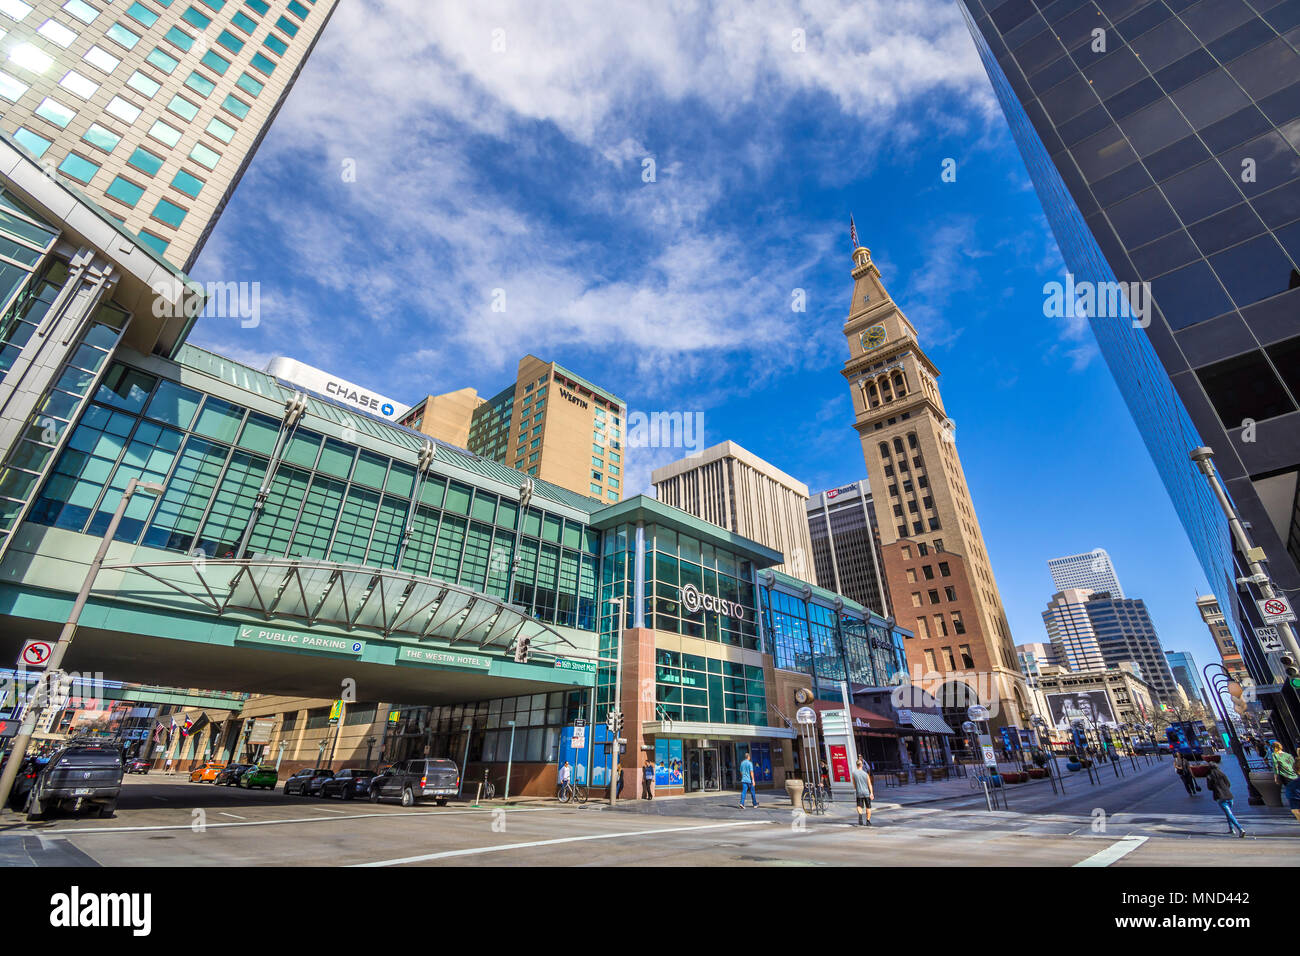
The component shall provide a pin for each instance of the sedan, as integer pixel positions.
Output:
(259, 778)
(231, 774)
(207, 773)
(299, 781)
(348, 784)
(139, 765)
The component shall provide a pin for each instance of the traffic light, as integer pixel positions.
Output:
(1292, 671)
(522, 649)
(615, 723)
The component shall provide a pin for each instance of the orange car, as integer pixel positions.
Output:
(207, 773)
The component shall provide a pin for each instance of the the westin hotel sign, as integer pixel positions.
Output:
(694, 602)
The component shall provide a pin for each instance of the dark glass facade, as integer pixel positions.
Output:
(1161, 136)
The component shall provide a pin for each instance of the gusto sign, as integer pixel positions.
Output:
(694, 602)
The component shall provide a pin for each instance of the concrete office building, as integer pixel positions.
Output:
(736, 490)
(937, 569)
(153, 109)
(1125, 633)
(550, 424)
(1229, 651)
(1183, 666)
(1070, 630)
(1161, 139)
(1092, 571)
(846, 545)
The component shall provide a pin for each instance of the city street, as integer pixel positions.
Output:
(1149, 821)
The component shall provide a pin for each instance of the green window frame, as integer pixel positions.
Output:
(79, 168)
(235, 106)
(125, 191)
(164, 60)
(179, 38)
(196, 18)
(230, 41)
(232, 506)
(145, 161)
(250, 85)
(215, 62)
(188, 184)
(199, 83)
(141, 14)
(261, 63)
(122, 36)
(170, 213)
(101, 138)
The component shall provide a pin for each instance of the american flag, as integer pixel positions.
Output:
(853, 232)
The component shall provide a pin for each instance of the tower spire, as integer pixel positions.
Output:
(853, 232)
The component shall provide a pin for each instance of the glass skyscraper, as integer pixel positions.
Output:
(1161, 138)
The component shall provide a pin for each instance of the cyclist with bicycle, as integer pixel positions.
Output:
(565, 778)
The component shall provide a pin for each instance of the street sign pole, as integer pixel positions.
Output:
(510, 762)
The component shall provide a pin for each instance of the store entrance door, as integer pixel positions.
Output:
(702, 769)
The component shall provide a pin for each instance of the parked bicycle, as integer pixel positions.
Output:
(489, 790)
(815, 797)
(574, 792)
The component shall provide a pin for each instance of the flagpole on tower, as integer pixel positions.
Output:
(853, 232)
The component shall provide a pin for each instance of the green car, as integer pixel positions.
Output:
(264, 777)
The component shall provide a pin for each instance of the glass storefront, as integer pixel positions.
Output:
(328, 500)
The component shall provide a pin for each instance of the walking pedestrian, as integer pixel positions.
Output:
(168, 771)
(1221, 790)
(648, 781)
(747, 781)
(865, 791)
(1284, 773)
(1184, 772)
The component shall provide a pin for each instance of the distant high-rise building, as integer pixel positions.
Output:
(938, 572)
(1183, 666)
(1035, 658)
(1125, 633)
(846, 545)
(1069, 628)
(737, 490)
(153, 110)
(1161, 139)
(550, 424)
(1229, 652)
(1092, 571)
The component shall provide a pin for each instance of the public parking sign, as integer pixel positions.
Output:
(35, 654)
(1276, 610)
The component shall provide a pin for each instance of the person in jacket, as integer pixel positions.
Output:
(1221, 790)
(1284, 773)
(1184, 771)
(864, 791)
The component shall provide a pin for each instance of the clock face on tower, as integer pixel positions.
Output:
(872, 338)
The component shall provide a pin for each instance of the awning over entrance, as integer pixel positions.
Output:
(863, 719)
(699, 730)
(350, 596)
(925, 723)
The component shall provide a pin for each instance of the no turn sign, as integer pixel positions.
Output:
(1276, 610)
(35, 653)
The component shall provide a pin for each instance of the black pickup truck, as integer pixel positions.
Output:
(79, 776)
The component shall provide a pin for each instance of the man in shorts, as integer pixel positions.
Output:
(864, 790)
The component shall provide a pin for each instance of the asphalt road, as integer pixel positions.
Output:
(1145, 819)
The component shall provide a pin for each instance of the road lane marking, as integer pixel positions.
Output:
(447, 854)
(327, 810)
(234, 815)
(399, 815)
(1114, 852)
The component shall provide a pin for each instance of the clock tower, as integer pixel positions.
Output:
(940, 580)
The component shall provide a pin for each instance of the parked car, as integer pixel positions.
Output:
(28, 771)
(313, 785)
(348, 784)
(139, 765)
(299, 781)
(259, 778)
(230, 774)
(79, 775)
(412, 780)
(207, 773)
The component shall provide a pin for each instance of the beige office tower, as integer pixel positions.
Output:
(151, 108)
(739, 491)
(550, 424)
(936, 566)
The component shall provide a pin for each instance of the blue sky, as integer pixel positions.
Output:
(504, 145)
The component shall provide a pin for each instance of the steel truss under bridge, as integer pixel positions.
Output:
(352, 596)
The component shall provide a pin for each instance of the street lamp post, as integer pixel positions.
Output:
(1045, 734)
(36, 712)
